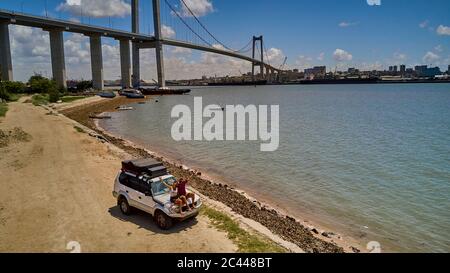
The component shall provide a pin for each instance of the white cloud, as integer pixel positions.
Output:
(373, 2)
(430, 58)
(347, 24)
(198, 7)
(181, 50)
(321, 56)
(439, 48)
(303, 62)
(96, 8)
(400, 57)
(275, 55)
(167, 32)
(424, 24)
(341, 55)
(443, 30)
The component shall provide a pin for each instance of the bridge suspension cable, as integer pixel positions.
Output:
(186, 24)
(245, 49)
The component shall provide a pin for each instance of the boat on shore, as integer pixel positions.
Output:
(107, 95)
(131, 94)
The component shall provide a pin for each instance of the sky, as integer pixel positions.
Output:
(367, 34)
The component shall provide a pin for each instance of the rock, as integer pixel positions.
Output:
(326, 235)
(199, 174)
(315, 231)
(290, 218)
(355, 250)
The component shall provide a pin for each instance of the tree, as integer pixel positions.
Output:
(3, 94)
(39, 84)
(14, 87)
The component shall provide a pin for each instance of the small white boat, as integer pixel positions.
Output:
(124, 108)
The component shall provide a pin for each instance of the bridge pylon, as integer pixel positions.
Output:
(261, 65)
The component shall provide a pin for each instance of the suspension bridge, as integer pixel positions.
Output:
(197, 37)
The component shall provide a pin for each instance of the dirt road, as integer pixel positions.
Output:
(56, 188)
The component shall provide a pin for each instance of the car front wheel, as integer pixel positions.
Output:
(163, 221)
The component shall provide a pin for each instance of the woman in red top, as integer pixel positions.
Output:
(183, 194)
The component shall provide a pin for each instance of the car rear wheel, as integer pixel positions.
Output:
(124, 206)
(163, 221)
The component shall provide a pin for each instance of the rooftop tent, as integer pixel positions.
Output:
(149, 166)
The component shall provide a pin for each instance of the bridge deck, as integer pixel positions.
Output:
(69, 26)
(146, 41)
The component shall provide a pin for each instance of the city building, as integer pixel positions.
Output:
(316, 72)
(403, 69)
(425, 71)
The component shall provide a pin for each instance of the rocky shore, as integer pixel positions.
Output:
(288, 228)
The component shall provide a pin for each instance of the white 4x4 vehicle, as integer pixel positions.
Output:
(138, 186)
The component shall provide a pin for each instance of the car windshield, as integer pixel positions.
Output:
(159, 188)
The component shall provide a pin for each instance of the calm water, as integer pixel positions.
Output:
(371, 161)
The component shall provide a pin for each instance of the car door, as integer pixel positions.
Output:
(134, 192)
(145, 198)
(125, 187)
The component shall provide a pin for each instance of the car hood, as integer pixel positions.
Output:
(165, 199)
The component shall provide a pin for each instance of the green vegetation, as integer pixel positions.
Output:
(84, 85)
(40, 99)
(3, 109)
(15, 87)
(38, 84)
(246, 242)
(79, 130)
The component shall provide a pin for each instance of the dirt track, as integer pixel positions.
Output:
(57, 187)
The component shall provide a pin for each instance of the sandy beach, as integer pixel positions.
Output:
(58, 185)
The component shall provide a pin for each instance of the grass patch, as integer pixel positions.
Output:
(40, 99)
(3, 109)
(16, 135)
(68, 99)
(79, 130)
(15, 97)
(246, 242)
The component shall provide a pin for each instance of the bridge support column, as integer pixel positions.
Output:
(57, 55)
(136, 78)
(268, 75)
(159, 45)
(97, 62)
(125, 63)
(5, 53)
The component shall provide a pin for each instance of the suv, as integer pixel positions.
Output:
(138, 186)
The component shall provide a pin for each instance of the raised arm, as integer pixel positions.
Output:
(165, 184)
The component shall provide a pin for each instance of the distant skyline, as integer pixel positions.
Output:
(340, 34)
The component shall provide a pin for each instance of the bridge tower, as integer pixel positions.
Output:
(136, 77)
(261, 65)
(158, 44)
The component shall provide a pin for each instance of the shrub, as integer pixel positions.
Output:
(14, 87)
(54, 95)
(3, 94)
(84, 85)
(39, 84)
